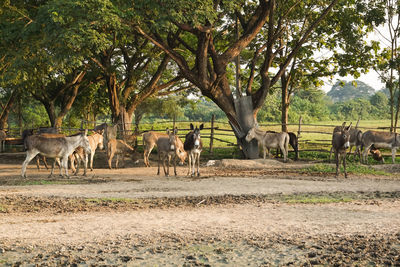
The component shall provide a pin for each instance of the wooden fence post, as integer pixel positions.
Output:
(212, 135)
(357, 123)
(299, 130)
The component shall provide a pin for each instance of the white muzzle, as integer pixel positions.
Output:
(347, 144)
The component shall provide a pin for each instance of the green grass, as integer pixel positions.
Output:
(3, 209)
(351, 168)
(315, 199)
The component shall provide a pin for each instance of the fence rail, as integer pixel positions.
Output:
(312, 137)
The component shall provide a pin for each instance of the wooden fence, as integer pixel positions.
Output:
(312, 137)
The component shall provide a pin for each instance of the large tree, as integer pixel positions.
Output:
(205, 34)
(38, 61)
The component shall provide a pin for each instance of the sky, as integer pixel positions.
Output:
(371, 79)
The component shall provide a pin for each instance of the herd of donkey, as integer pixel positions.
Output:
(77, 148)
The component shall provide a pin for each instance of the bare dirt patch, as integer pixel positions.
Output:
(260, 213)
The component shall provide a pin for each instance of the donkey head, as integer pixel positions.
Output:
(172, 138)
(251, 134)
(345, 135)
(196, 135)
(100, 138)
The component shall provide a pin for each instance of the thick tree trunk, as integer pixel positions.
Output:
(285, 103)
(51, 112)
(245, 119)
(7, 108)
(113, 90)
(125, 120)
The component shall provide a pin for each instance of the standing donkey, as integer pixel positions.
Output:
(380, 140)
(60, 147)
(355, 140)
(193, 146)
(340, 144)
(150, 140)
(167, 149)
(270, 140)
(95, 140)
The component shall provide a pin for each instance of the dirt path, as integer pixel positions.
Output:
(228, 217)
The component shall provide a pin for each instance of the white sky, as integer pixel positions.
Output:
(371, 78)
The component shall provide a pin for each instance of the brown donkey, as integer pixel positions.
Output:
(340, 144)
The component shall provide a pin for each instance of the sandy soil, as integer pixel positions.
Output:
(237, 213)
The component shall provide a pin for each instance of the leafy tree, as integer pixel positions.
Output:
(41, 65)
(199, 39)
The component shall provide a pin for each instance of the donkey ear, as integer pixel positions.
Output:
(86, 131)
(176, 130)
(167, 130)
(191, 126)
(201, 126)
(349, 127)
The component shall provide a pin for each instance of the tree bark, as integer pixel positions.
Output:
(7, 109)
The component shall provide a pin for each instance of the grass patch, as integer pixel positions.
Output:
(315, 199)
(351, 168)
(3, 209)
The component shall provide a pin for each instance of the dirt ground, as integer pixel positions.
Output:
(237, 213)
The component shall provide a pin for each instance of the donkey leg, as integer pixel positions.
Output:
(168, 161)
(198, 165)
(344, 164)
(37, 162)
(53, 165)
(29, 157)
(110, 157)
(64, 163)
(116, 161)
(91, 160)
(159, 159)
(365, 154)
(85, 162)
(337, 157)
(330, 154)
(189, 163)
(174, 162)
(284, 152)
(164, 162)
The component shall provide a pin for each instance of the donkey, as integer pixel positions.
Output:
(120, 148)
(355, 140)
(95, 140)
(110, 132)
(193, 146)
(150, 140)
(29, 132)
(293, 142)
(340, 144)
(270, 140)
(60, 147)
(167, 149)
(380, 140)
